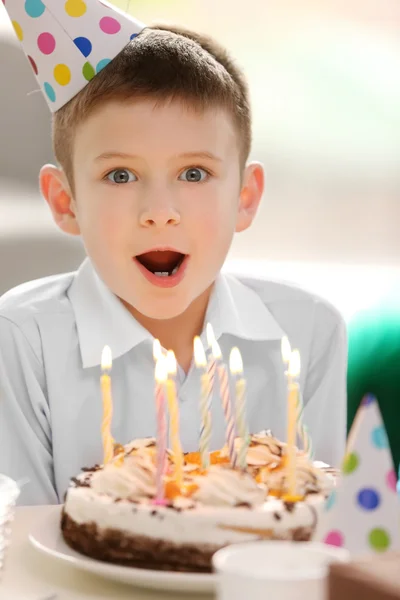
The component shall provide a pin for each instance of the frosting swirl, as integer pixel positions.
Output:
(309, 480)
(134, 479)
(223, 486)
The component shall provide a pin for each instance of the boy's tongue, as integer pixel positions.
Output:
(160, 260)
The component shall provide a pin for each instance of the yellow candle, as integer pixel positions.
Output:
(293, 392)
(105, 382)
(173, 408)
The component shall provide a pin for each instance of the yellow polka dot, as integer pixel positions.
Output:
(75, 8)
(62, 74)
(18, 30)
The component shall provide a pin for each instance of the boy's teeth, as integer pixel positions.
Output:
(166, 273)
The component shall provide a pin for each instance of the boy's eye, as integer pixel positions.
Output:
(121, 176)
(194, 174)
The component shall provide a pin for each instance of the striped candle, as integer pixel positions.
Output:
(205, 430)
(226, 402)
(236, 368)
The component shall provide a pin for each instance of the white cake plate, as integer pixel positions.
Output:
(47, 538)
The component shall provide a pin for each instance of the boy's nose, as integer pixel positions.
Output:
(159, 217)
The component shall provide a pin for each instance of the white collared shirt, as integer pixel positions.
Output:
(52, 333)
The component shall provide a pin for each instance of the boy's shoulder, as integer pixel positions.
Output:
(27, 301)
(287, 300)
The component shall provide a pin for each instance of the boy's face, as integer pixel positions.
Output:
(158, 196)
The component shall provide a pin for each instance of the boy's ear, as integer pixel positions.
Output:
(55, 189)
(250, 195)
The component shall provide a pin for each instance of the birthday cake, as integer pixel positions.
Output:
(111, 512)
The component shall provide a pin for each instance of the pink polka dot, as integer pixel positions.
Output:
(391, 480)
(109, 25)
(46, 43)
(334, 538)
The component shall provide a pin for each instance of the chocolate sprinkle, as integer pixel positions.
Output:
(290, 506)
(243, 505)
(78, 483)
(277, 516)
(91, 469)
(154, 513)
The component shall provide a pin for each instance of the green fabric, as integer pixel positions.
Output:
(374, 365)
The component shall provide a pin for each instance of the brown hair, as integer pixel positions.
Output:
(164, 63)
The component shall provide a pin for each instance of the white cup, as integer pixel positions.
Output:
(275, 570)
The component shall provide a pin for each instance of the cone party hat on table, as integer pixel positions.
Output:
(68, 42)
(362, 513)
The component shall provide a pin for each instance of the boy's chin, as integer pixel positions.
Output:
(158, 311)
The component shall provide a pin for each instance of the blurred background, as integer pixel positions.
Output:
(325, 83)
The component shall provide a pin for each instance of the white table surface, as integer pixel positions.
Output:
(29, 575)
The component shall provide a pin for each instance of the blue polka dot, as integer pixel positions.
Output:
(34, 8)
(49, 92)
(368, 399)
(368, 499)
(331, 500)
(379, 437)
(133, 36)
(84, 45)
(102, 63)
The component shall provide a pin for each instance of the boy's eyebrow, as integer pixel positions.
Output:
(123, 155)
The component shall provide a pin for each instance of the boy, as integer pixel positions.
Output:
(153, 176)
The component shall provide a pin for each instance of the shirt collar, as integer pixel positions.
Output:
(102, 319)
(235, 309)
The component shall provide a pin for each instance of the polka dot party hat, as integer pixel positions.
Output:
(68, 42)
(362, 514)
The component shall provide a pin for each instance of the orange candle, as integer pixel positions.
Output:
(105, 382)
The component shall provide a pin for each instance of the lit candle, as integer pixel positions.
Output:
(161, 375)
(173, 408)
(293, 392)
(301, 427)
(105, 382)
(236, 368)
(205, 431)
(226, 402)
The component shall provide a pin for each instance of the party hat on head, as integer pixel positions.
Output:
(362, 514)
(68, 42)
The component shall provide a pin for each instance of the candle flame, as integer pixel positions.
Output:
(235, 362)
(199, 353)
(294, 364)
(161, 370)
(171, 363)
(157, 351)
(210, 335)
(106, 359)
(216, 350)
(286, 350)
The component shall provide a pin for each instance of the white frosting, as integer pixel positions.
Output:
(225, 487)
(217, 526)
(135, 478)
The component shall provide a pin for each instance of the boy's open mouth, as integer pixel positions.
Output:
(163, 263)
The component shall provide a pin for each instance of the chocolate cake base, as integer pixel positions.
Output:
(112, 546)
(135, 551)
